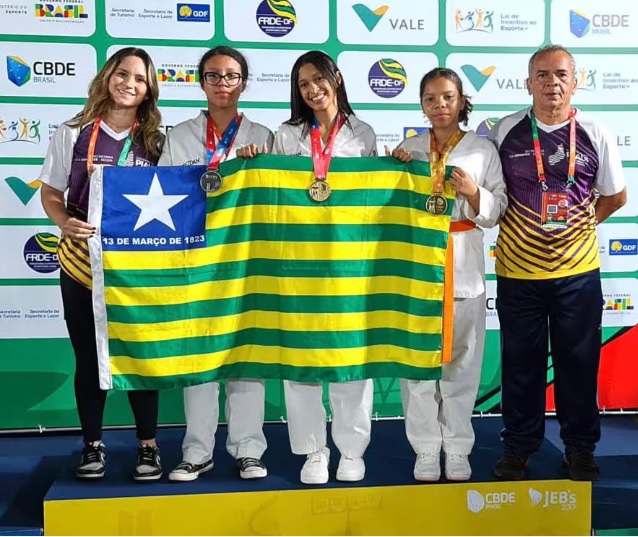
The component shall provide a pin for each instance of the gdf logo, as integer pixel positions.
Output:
(623, 247)
(40, 253)
(193, 13)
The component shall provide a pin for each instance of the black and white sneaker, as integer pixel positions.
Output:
(148, 467)
(93, 463)
(187, 471)
(250, 468)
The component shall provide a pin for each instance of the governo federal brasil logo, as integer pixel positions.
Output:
(18, 70)
(477, 78)
(370, 17)
(61, 10)
(40, 253)
(276, 18)
(387, 78)
(23, 191)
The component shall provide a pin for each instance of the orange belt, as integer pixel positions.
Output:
(462, 225)
(448, 289)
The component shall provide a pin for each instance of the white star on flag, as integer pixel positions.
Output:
(155, 205)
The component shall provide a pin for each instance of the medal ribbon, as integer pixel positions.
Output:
(321, 159)
(540, 170)
(439, 158)
(90, 155)
(215, 152)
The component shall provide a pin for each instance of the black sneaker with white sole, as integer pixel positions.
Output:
(148, 467)
(187, 471)
(93, 463)
(250, 468)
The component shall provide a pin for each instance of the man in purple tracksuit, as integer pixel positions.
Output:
(564, 176)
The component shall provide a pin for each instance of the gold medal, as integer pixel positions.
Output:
(319, 191)
(436, 204)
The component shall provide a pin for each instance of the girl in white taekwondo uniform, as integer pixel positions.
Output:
(209, 138)
(439, 413)
(321, 118)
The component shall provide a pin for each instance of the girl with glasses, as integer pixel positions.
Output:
(210, 138)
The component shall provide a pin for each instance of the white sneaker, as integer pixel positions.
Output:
(315, 470)
(351, 469)
(427, 467)
(457, 467)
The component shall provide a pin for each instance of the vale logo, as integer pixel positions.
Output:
(370, 17)
(477, 78)
(24, 191)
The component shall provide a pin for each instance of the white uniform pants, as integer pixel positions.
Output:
(438, 413)
(245, 401)
(351, 404)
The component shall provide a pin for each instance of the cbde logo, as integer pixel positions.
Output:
(580, 23)
(370, 17)
(23, 191)
(387, 78)
(40, 253)
(276, 18)
(18, 71)
(476, 501)
(623, 247)
(477, 78)
(193, 13)
(45, 72)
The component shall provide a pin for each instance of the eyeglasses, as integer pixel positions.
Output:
(215, 79)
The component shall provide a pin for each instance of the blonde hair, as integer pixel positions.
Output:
(147, 133)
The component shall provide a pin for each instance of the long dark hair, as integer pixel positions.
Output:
(442, 72)
(300, 112)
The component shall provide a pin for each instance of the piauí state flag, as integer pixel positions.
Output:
(257, 280)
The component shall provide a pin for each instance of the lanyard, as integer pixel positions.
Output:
(438, 159)
(321, 159)
(215, 152)
(93, 141)
(540, 170)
